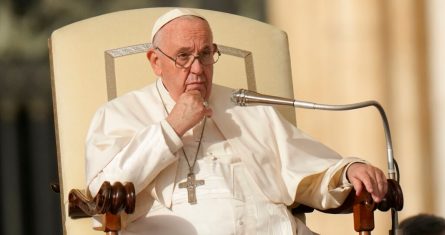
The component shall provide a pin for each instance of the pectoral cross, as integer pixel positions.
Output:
(191, 185)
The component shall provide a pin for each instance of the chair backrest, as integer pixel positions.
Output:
(97, 59)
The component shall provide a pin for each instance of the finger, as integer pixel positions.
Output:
(368, 181)
(376, 198)
(385, 183)
(192, 96)
(376, 194)
(358, 186)
(382, 184)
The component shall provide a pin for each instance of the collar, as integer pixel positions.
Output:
(165, 95)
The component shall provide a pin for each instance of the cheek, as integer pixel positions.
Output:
(208, 91)
(175, 83)
(209, 76)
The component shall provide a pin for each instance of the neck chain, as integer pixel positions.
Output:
(191, 182)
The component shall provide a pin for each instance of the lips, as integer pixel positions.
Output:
(195, 86)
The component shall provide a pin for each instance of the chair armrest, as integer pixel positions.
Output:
(363, 206)
(392, 199)
(110, 199)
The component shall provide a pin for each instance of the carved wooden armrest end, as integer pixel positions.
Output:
(110, 199)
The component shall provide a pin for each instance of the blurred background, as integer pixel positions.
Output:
(342, 51)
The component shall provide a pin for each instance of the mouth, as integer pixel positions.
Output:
(199, 86)
(195, 86)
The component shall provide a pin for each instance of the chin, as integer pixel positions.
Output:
(203, 94)
(200, 88)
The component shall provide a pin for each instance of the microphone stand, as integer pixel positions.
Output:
(243, 97)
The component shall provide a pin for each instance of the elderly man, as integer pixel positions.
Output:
(201, 165)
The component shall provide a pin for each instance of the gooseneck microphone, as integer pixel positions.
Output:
(243, 97)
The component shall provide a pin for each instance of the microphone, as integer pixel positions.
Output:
(244, 97)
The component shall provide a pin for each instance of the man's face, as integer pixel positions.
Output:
(183, 36)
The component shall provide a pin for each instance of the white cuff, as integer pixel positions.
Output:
(171, 138)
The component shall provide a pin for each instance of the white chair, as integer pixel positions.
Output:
(97, 59)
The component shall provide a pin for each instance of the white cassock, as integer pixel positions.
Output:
(254, 164)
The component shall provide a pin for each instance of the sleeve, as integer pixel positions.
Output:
(119, 148)
(313, 174)
(327, 189)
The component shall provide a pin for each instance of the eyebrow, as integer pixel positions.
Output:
(189, 49)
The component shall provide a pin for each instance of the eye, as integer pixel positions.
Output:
(183, 56)
(206, 54)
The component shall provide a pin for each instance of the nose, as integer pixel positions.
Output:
(196, 67)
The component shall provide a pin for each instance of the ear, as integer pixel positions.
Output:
(154, 61)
